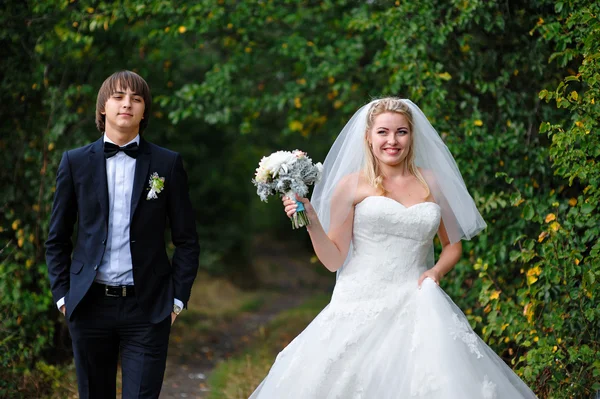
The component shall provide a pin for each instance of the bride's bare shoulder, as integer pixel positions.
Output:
(354, 186)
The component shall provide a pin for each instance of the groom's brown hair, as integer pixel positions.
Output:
(123, 80)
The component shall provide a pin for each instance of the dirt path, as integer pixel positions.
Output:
(189, 363)
(285, 266)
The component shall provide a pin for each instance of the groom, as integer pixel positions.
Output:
(116, 286)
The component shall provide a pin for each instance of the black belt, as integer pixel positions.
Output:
(116, 291)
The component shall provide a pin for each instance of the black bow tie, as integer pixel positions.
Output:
(110, 149)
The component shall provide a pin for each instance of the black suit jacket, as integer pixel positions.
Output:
(81, 198)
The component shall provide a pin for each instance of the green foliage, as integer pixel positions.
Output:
(233, 81)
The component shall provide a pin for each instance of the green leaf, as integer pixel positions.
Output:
(587, 208)
(590, 277)
(528, 211)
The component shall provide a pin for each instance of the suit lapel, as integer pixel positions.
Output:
(142, 165)
(98, 165)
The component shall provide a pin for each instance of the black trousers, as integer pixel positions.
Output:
(103, 326)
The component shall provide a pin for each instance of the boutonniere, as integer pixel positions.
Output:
(157, 184)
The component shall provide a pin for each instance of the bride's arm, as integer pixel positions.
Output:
(449, 257)
(331, 249)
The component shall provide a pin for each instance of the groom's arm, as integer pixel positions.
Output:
(62, 220)
(183, 233)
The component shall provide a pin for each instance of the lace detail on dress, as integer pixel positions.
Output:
(463, 331)
(488, 390)
(425, 384)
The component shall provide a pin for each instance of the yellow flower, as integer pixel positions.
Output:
(577, 261)
(542, 235)
(297, 102)
(536, 339)
(331, 80)
(444, 76)
(506, 340)
(338, 104)
(50, 146)
(20, 242)
(478, 122)
(555, 226)
(301, 81)
(534, 271)
(504, 326)
(495, 294)
(574, 95)
(559, 340)
(531, 280)
(532, 274)
(528, 312)
(550, 217)
(90, 10)
(573, 201)
(15, 224)
(554, 348)
(28, 263)
(182, 29)
(295, 126)
(579, 124)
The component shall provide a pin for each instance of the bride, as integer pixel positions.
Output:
(389, 185)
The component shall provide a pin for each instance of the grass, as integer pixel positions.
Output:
(237, 377)
(213, 301)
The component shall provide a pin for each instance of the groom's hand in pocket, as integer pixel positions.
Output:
(173, 317)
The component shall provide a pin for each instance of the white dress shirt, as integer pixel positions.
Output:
(116, 267)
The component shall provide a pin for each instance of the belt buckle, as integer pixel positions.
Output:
(107, 293)
(124, 290)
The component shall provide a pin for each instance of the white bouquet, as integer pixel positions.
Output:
(288, 173)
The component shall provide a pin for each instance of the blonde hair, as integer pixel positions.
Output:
(371, 169)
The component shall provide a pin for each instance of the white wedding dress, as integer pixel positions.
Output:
(381, 337)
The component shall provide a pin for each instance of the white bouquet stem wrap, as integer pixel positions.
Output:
(287, 173)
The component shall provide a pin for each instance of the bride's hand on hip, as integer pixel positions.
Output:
(432, 274)
(290, 207)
